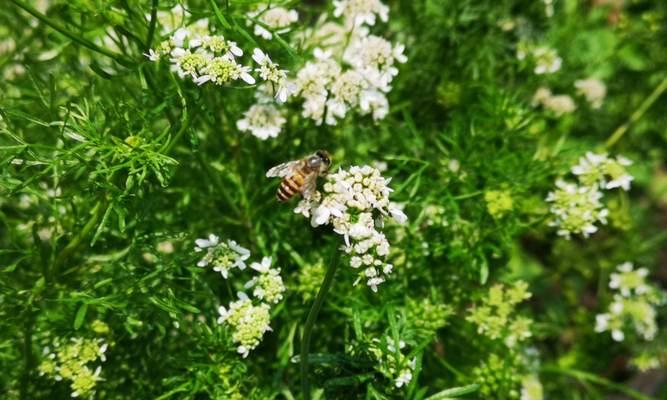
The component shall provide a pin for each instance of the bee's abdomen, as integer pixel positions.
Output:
(290, 186)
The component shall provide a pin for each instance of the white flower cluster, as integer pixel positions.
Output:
(634, 303)
(196, 53)
(593, 90)
(558, 104)
(545, 59)
(223, 256)
(248, 317)
(278, 19)
(577, 208)
(392, 362)
(354, 201)
(351, 68)
(599, 169)
(72, 361)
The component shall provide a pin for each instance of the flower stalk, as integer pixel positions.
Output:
(310, 322)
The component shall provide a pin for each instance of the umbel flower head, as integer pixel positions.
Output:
(634, 304)
(576, 209)
(75, 361)
(262, 121)
(278, 19)
(268, 285)
(248, 321)
(223, 256)
(354, 202)
(351, 70)
(607, 173)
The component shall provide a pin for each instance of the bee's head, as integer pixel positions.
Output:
(324, 159)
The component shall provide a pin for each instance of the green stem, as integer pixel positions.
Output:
(639, 112)
(310, 322)
(151, 27)
(84, 42)
(74, 243)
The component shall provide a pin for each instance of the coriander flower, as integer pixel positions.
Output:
(270, 71)
(594, 90)
(633, 305)
(547, 60)
(629, 281)
(375, 58)
(558, 104)
(354, 202)
(262, 120)
(268, 286)
(576, 209)
(219, 45)
(249, 322)
(277, 18)
(223, 70)
(359, 12)
(223, 256)
(599, 169)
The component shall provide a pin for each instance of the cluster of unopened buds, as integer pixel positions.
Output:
(354, 202)
(249, 317)
(577, 207)
(74, 361)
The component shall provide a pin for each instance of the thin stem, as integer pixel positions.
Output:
(639, 112)
(310, 322)
(84, 42)
(76, 241)
(151, 26)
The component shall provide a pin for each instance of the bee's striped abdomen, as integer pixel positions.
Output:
(290, 186)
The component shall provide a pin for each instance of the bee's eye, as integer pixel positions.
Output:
(314, 161)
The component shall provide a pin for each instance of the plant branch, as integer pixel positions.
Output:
(310, 322)
(637, 114)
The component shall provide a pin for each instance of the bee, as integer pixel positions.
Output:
(300, 176)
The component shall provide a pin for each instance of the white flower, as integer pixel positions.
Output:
(608, 173)
(353, 201)
(224, 70)
(629, 281)
(546, 60)
(576, 209)
(270, 71)
(223, 256)
(558, 104)
(594, 90)
(359, 12)
(152, 55)
(268, 286)
(262, 120)
(375, 58)
(248, 321)
(277, 18)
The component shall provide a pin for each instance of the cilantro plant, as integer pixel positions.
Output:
(491, 226)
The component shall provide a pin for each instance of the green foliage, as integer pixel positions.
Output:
(111, 166)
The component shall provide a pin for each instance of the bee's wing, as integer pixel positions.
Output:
(309, 186)
(283, 169)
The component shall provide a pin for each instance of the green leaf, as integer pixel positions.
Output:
(80, 316)
(454, 392)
